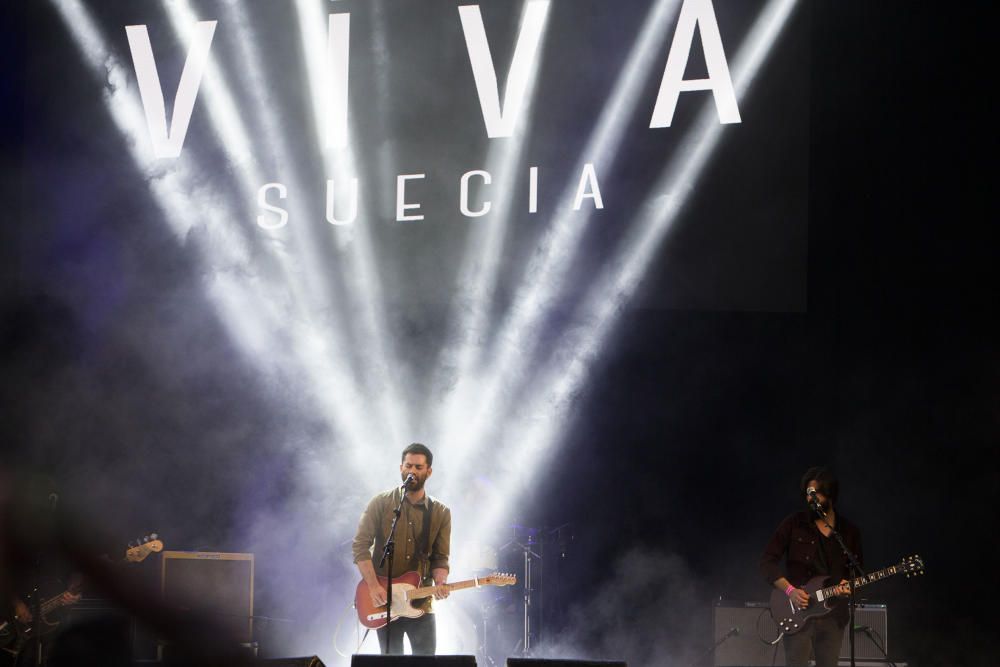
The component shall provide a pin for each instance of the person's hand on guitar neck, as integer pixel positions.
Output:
(441, 590)
(69, 597)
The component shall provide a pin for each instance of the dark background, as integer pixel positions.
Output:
(890, 377)
(693, 432)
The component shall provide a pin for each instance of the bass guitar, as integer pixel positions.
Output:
(15, 633)
(824, 592)
(406, 588)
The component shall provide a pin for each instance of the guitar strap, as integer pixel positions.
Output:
(425, 539)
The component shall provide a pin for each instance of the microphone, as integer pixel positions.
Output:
(814, 503)
(409, 478)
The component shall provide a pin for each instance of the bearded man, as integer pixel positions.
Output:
(423, 544)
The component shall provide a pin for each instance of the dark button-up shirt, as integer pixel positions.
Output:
(807, 553)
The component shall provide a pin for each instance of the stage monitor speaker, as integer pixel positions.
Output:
(537, 662)
(305, 661)
(375, 660)
(749, 648)
(219, 585)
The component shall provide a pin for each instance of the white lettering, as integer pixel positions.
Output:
(696, 14)
(352, 206)
(533, 190)
(401, 206)
(338, 56)
(268, 221)
(168, 144)
(588, 177)
(463, 200)
(501, 122)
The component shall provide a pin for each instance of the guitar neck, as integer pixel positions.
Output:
(52, 604)
(427, 591)
(869, 578)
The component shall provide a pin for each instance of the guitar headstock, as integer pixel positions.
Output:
(144, 546)
(498, 579)
(912, 566)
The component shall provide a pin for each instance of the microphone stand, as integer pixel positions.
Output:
(387, 554)
(868, 631)
(712, 649)
(855, 570)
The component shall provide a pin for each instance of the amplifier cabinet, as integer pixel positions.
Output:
(752, 620)
(219, 585)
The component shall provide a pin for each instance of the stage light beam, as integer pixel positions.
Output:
(483, 398)
(535, 442)
(480, 268)
(327, 58)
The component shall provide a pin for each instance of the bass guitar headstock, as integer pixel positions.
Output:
(138, 551)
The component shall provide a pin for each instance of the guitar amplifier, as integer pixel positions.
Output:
(749, 647)
(218, 585)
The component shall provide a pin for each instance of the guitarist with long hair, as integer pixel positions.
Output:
(804, 542)
(423, 545)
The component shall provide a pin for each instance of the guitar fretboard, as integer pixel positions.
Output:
(871, 577)
(427, 591)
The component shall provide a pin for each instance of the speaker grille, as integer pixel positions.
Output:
(755, 625)
(219, 585)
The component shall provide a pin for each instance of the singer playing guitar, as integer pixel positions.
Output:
(804, 542)
(423, 543)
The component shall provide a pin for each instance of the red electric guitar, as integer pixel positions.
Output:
(406, 588)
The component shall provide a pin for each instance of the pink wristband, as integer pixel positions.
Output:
(788, 591)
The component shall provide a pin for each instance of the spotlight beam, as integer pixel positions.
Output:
(316, 358)
(316, 350)
(245, 304)
(547, 271)
(599, 313)
(381, 369)
(479, 272)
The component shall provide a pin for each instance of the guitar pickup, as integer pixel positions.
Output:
(375, 617)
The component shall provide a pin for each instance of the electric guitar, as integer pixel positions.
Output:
(406, 588)
(15, 633)
(823, 594)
